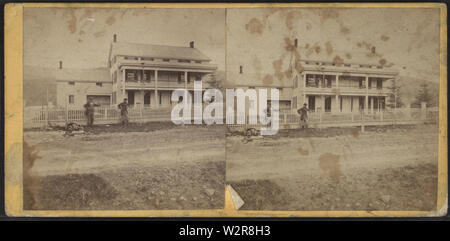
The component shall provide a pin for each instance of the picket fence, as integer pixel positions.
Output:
(43, 117)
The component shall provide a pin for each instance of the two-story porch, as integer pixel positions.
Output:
(344, 92)
(153, 87)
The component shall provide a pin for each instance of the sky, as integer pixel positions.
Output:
(405, 39)
(80, 37)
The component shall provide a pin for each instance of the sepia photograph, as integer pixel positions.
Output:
(358, 108)
(97, 109)
(225, 110)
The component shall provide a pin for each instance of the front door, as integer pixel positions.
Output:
(147, 98)
(328, 104)
(312, 102)
(131, 97)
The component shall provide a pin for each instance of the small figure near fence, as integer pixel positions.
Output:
(303, 112)
(89, 109)
(124, 112)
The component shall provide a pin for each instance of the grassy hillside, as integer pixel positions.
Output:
(36, 82)
(409, 87)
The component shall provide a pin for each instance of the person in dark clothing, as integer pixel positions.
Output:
(89, 111)
(303, 112)
(124, 112)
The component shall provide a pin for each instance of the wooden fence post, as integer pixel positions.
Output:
(67, 114)
(46, 116)
(362, 122)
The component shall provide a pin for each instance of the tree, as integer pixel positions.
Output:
(423, 95)
(394, 99)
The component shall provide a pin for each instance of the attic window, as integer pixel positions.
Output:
(148, 59)
(184, 61)
(99, 84)
(71, 83)
(166, 60)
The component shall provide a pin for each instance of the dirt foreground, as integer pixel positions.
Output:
(337, 169)
(130, 168)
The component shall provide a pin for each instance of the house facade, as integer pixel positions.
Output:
(344, 87)
(326, 87)
(145, 74)
(75, 86)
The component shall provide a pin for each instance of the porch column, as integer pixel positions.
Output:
(366, 103)
(156, 89)
(123, 84)
(304, 88)
(371, 105)
(337, 104)
(185, 80)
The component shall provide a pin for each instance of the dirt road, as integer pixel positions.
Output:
(337, 169)
(173, 168)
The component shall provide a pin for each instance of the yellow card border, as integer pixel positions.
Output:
(13, 27)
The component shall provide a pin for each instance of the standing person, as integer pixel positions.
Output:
(303, 112)
(89, 111)
(123, 112)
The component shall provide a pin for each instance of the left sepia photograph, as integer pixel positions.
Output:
(98, 89)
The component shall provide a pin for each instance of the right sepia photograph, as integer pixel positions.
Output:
(358, 108)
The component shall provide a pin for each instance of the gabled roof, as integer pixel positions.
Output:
(83, 75)
(157, 51)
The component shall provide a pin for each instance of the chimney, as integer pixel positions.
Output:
(115, 38)
(191, 44)
(240, 69)
(60, 64)
(295, 43)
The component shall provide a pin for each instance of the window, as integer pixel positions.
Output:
(71, 83)
(148, 59)
(99, 84)
(379, 84)
(131, 75)
(184, 61)
(71, 99)
(251, 87)
(166, 60)
(160, 99)
(198, 62)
